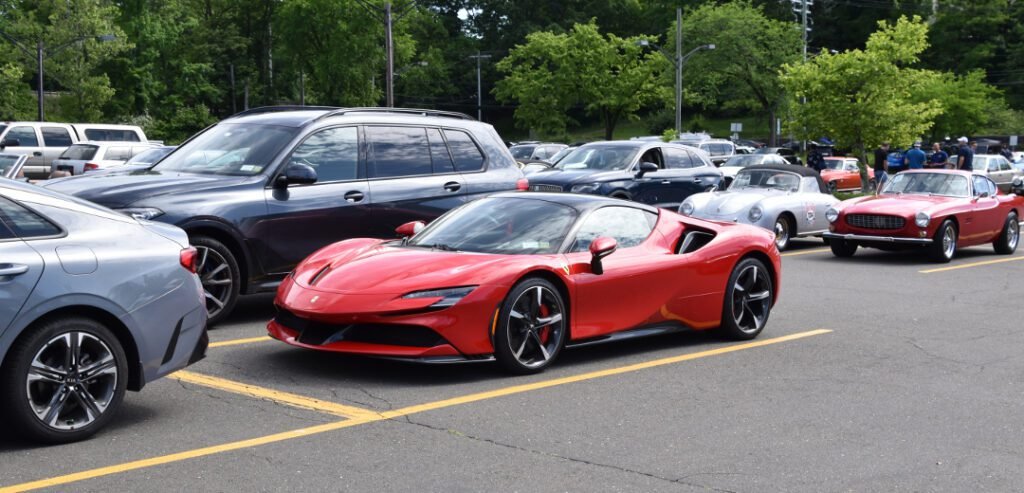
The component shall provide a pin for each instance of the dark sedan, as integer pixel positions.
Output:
(654, 173)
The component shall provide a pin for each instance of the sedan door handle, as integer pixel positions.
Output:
(354, 196)
(7, 270)
(696, 179)
(37, 154)
(666, 182)
(452, 186)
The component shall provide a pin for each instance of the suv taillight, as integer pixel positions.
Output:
(188, 259)
(523, 184)
(91, 167)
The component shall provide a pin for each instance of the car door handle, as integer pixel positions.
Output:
(7, 270)
(666, 182)
(37, 153)
(354, 196)
(696, 179)
(452, 186)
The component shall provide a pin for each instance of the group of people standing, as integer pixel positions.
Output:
(915, 158)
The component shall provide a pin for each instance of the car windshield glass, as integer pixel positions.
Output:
(766, 178)
(79, 152)
(560, 154)
(599, 157)
(745, 160)
(238, 149)
(503, 225)
(521, 152)
(928, 184)
(6, 163)
(149, 157)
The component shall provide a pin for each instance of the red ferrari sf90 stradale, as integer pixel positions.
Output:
(516, 277)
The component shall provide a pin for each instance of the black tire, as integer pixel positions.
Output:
(620, 196)
(784, 231)
(99, 377)
(521, 344)
(748, 300)
(842, 248)
(221, 278)
(1007, 242)
(943, 247)
(832, 187)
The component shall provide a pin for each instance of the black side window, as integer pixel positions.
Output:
(627, 225)
(333, 153)
(111, 135)
(439, 154)
(677, 158)
(26, 136)
(398, 151)
(5, 232)
(466, 154)
(56, 137)
(25, 223)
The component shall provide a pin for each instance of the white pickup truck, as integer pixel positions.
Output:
(43, 142)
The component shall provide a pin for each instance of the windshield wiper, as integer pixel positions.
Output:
(442, 247)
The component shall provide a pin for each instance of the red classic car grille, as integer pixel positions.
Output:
(875, 221)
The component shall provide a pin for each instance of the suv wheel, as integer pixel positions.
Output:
(218, 271)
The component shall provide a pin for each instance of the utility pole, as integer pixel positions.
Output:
(234, 97)
(389, 17)
(479, 90)
(302, 88)
(803, 15)
(679, 72)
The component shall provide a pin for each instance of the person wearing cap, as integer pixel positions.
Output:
(881, 163)
(915, 157)
(965, 157)
(938, 157)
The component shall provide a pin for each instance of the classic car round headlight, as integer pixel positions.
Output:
(921, 219)
(832, 215)
(686, 208)
(755, 213)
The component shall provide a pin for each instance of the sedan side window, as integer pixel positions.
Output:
(993, 165)
(981, 185)
(26, 136)
(24, 222)
(629, 227)
(398, 151)
(1004, 165)
(333, 153)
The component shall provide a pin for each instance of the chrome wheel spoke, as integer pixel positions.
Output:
(759, 296)
(540, 344)
(42, 372)
(214, 272)
(106, 366)
(204, 253)
(89, 404)
(553, 319)
(51, 412)
(217, 282)
(211, 297)
(517, 315)
(519, 352)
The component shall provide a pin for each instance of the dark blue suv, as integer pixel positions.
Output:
(654, 173)
(260, 191)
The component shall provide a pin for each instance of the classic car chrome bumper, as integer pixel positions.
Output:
(879, 239)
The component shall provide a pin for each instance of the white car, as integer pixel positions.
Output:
(738, 162)
(997, 168)
(89, 156)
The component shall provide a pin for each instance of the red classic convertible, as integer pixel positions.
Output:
(516, 277)
(937, 210)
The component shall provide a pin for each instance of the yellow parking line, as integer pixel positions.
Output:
(274, 395)
(370, 417)
(973, 264)
(805, 252)
(235, 342)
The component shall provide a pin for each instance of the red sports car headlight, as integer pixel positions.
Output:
(449, 296)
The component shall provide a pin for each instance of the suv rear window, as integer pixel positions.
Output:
(25, 223)
(111, 135)
(80, 152)
(465, 152)
(398, 151)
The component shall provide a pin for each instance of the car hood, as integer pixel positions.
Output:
(574, 176)
(120, 188)
(382, 267)
(895, 205)
(733, 201)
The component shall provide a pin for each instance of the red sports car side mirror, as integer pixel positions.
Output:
(410, 228)
(600, 248)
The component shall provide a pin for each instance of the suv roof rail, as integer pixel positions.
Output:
(275, 109)
(401, 111)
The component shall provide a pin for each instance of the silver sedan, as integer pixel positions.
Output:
(92, 303)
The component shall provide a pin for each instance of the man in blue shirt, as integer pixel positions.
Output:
(939, 157)
(915, 157)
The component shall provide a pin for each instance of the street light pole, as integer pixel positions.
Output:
(679, 72)
(39, 64)
(479, 87)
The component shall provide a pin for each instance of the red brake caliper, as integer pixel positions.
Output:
(544, 332)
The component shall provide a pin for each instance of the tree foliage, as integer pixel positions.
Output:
(609, 76)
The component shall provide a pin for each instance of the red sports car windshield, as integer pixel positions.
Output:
(946, 184)
(506, 226)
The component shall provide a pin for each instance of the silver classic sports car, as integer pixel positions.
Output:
(789, 200)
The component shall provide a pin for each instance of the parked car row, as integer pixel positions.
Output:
(44, 142)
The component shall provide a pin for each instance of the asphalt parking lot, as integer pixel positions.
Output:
(878, 373)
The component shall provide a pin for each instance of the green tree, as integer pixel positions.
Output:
(863, 97)
(967, 103)
(15, 99)
(609, 77)
(742, 71)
